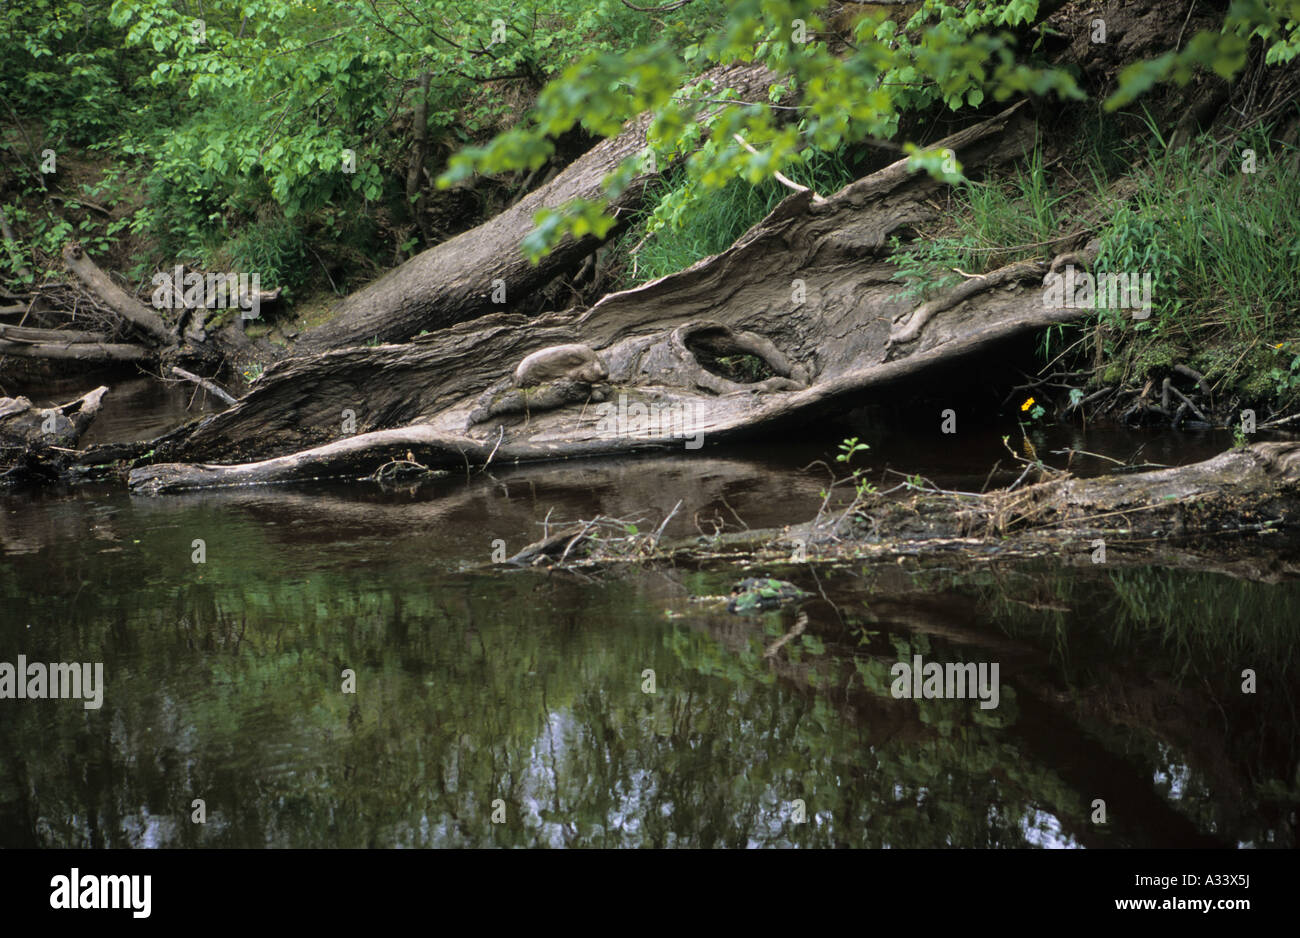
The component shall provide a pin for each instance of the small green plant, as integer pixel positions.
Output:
(1286, 380)
(748, 369)
(924, 268)
(848, 449)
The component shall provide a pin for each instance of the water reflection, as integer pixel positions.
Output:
(521, 697)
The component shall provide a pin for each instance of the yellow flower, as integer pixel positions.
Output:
(1027, 404)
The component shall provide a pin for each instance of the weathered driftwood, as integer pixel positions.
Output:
(36, 443)
(24, 424)
(806, 297)
(204, 383)
(67, 344)
(1253, 488)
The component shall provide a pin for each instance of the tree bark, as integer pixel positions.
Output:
(454, 281)
(419, 150)
(807, 294)
(141, 317)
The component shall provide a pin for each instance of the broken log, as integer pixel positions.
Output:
(1252, 488)
(30, 342)
(37, 442)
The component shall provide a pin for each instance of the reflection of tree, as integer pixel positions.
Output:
(527, 689)
(1155, 659)
(878, 771)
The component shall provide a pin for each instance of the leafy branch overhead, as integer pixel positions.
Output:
(239, 111)
(955, 54)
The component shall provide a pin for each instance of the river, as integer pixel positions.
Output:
(347, 667)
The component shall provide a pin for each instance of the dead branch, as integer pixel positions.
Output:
(781, 177)
(204, 383)
(136, 313)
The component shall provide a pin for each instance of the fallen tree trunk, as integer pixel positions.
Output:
(30, 342)
(148, 323)
(806, 296)
(483, 270)
(1248, 490)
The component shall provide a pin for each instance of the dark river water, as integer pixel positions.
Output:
(522, 707)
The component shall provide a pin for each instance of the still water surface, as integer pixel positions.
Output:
(524, 695)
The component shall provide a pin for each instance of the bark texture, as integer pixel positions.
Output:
(807, 295)
(454, 281)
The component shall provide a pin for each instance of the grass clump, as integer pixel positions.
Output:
(654, 248)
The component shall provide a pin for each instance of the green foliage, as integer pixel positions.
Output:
(239, 111)
(943, 55)
(49, 231)
(677, 232)
(1227, 238)
(224, 111)
(274, 248)
(1286, 379)
(990, 224)
(61, 60)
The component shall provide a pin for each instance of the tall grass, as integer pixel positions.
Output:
(990, 224)
(716, 223)
(274, 247)
(1222, 245)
